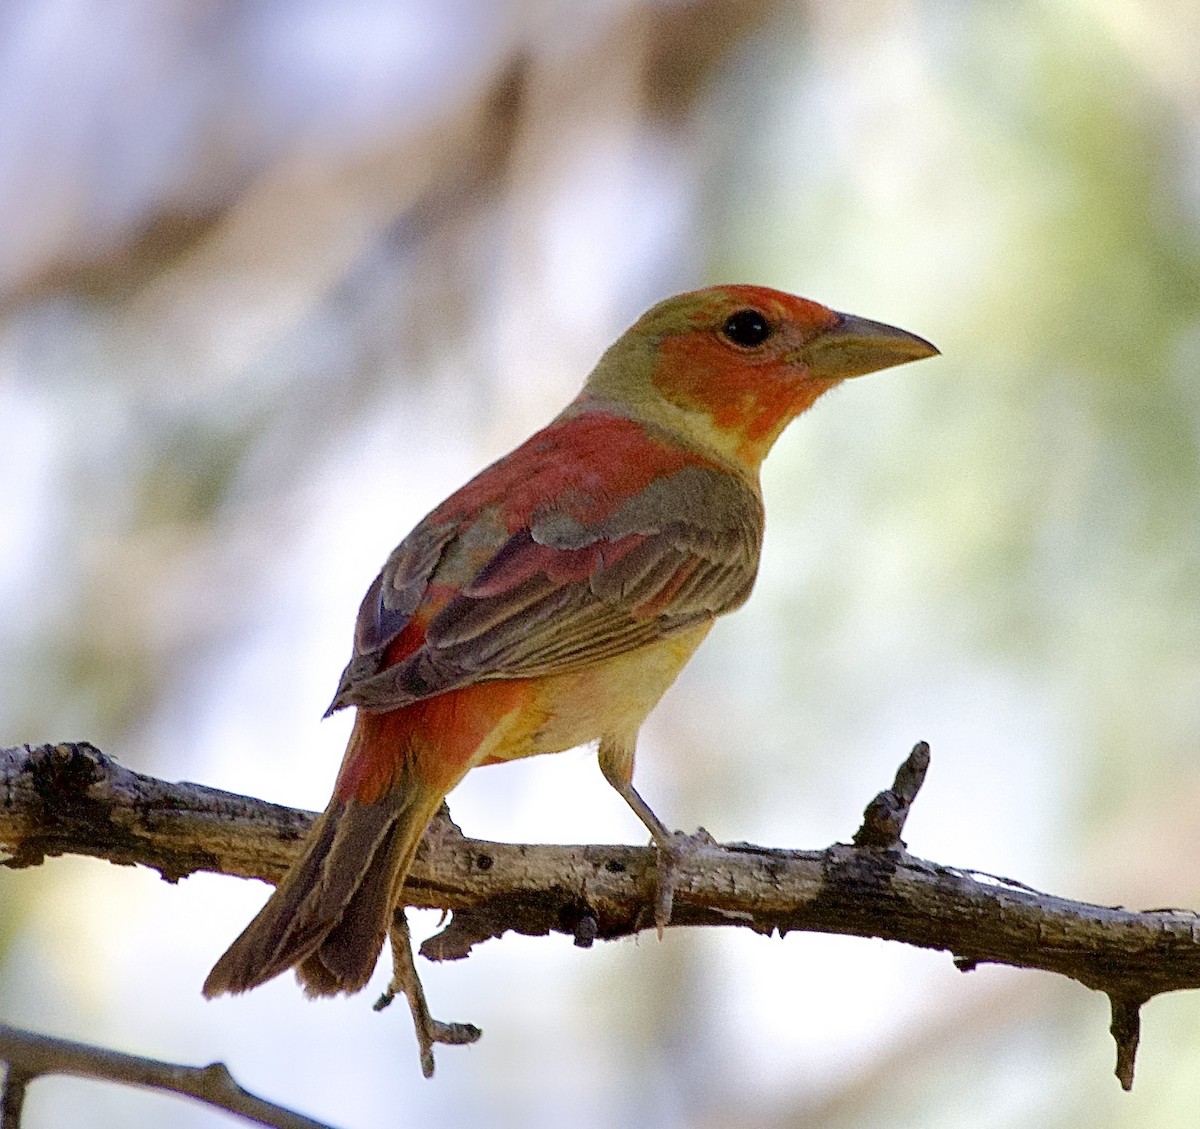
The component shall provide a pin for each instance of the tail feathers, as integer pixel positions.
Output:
(329, 915)
(345, 957)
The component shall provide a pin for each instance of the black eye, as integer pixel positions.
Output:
(747, 328)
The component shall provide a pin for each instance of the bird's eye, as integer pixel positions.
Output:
(747, 328)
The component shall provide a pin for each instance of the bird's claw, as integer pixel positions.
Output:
(407, 983)
(672, 854)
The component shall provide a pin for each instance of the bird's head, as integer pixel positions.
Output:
(727, 368)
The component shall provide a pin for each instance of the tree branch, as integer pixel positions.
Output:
(57, 799)
(29, 1056)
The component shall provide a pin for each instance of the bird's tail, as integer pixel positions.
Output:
(329, 916)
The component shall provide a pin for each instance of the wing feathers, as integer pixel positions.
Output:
(558, 593)
(468, 618)
(400, 587)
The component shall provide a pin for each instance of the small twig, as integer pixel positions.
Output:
(884, 817)
(30, 1056)
(1126, 1032)
(12, 1097)
(406, 982)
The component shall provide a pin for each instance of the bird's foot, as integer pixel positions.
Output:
(406, 982)
(677, 849)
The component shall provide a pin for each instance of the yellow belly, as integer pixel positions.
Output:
(610, 699)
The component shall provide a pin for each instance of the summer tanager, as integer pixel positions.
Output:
(553, 599)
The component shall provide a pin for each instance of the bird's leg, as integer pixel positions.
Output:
(405, 980)
(673, 847)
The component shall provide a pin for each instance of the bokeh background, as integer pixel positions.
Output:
(277, 276)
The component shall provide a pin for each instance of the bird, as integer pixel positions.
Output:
(551, 601)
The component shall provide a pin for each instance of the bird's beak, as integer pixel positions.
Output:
(856, 346)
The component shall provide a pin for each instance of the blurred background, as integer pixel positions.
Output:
(277, 277)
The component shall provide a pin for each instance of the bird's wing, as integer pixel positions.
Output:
(474, 599)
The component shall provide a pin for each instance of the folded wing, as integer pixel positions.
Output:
(472, 600)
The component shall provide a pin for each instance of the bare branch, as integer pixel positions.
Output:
(30, 1056)
(71, 798)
